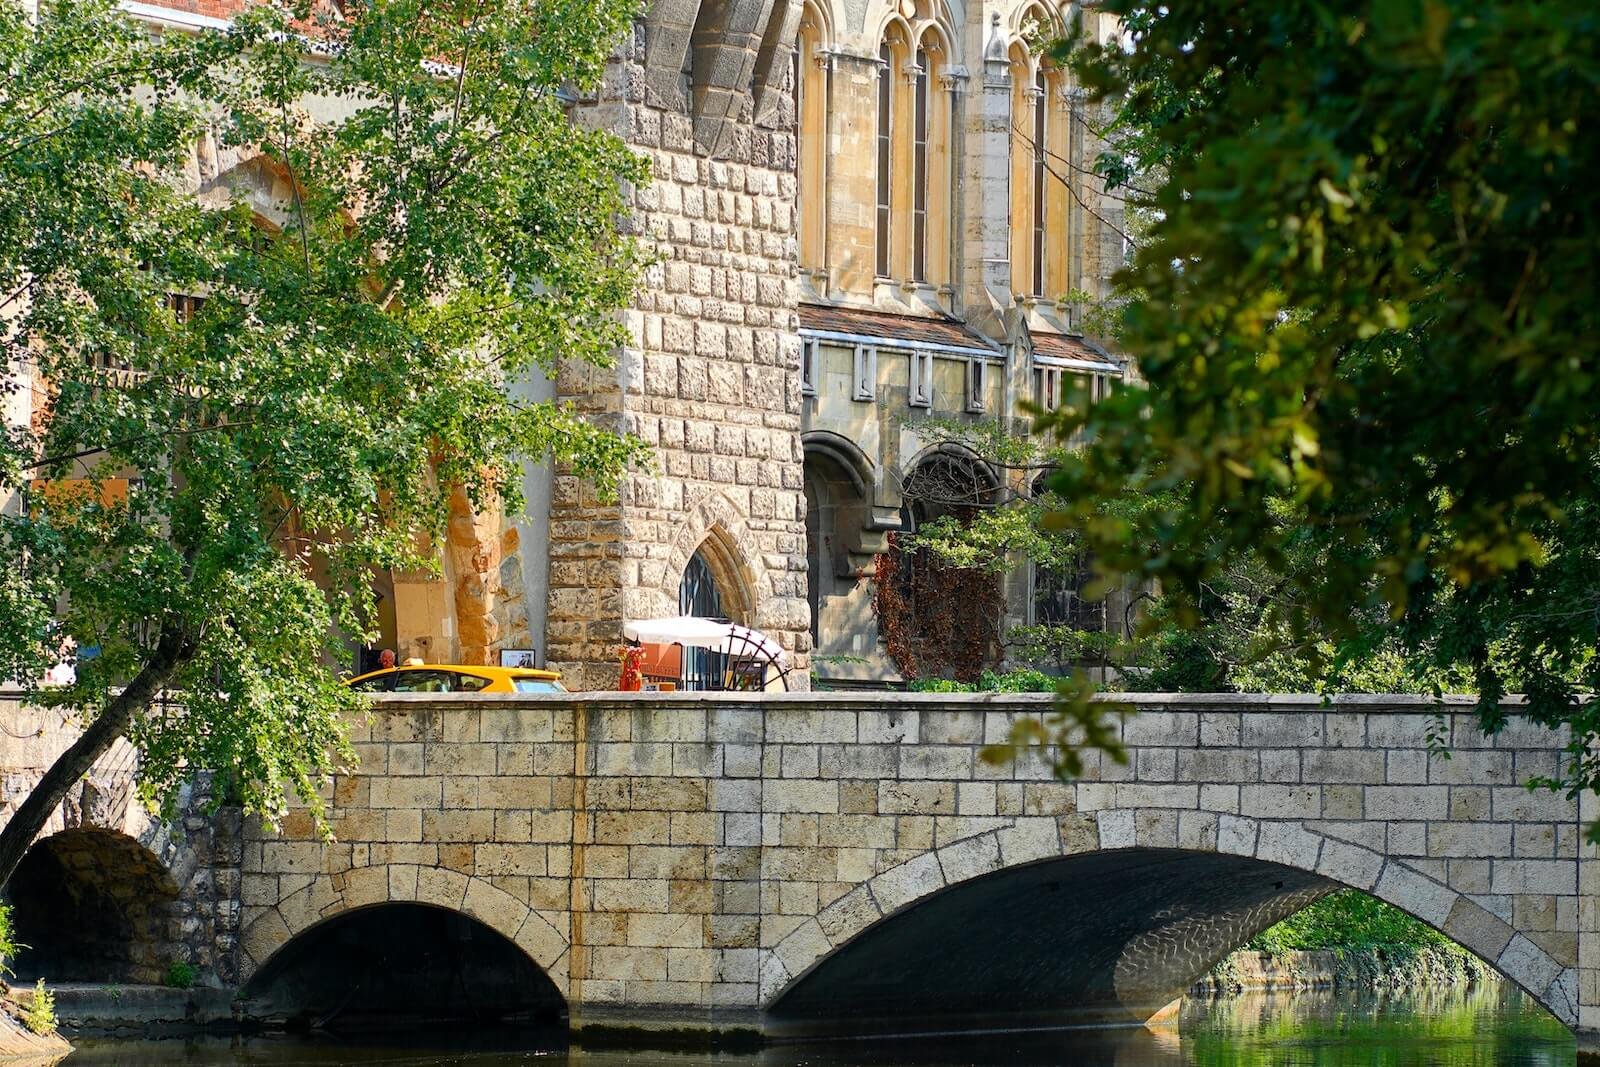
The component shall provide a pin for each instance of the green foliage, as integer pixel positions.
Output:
(1370, 413)
(375, 284)
(180, 975)
(1347, 919)
(1023, 680)
(40, 1015)
(8, 943)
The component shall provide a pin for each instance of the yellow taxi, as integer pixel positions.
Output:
(417, 677)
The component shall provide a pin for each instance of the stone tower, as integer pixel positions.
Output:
(711, 378)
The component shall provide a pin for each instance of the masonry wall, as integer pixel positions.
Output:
(175, 884)
(707, 851)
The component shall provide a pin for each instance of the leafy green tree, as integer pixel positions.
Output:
(414, 222)
(1368, 333)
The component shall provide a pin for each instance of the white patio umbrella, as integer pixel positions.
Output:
(717, 635)
(729, 638)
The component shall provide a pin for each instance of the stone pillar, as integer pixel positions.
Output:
(987, 270)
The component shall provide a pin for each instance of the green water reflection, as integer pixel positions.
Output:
(1489, 1025)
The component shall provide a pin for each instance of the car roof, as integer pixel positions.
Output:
(467, 668)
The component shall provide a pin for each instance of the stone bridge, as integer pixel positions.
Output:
(812, 858)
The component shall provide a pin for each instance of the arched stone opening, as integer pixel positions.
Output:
(715, 581)
(94, 905)
(838, 512)
(402, 964)
(1101, 936)
(940, 619)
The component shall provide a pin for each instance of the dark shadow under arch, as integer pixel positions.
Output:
(401, 965)
(1092, 937)
(94, 905)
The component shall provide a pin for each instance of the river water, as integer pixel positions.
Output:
(1485, 1025)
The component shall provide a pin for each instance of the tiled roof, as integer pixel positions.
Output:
(908, 329)
(1063, 346)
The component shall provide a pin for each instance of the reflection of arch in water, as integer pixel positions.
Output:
(1005, 923)
(93, 905)
(402, 963)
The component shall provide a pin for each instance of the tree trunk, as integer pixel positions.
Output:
(69, 768)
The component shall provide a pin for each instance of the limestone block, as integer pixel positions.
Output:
(1117, 829)
(1350, 864)
(1534, 876)
(1289, 844)
(1236, 836)
(907, 883)
(1342, 765)
(1526, 963)
(441, 886)
(1280, 801)
(932, 761)
(917, 798)
(1281, 730)
(665, 931)
(1467, 840)
(808, 796)
(1403, 887)
(365, 886)
(264, 936)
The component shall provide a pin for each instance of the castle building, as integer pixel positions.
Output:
(865, 215)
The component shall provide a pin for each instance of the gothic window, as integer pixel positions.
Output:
(1040, 169)
(886, 75)
(1046, 387)
(919, 157)
(811, 118)
(1022, 170)
(698, 595)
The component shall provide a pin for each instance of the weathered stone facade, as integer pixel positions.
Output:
(715, 853)
(710, 382)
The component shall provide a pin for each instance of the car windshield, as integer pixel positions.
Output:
(538, 685)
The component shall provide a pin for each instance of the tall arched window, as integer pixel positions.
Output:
(1040, 99)
(919, 172)
(886, 74)
(811, 118)
(1058, 204)
(1023, 163)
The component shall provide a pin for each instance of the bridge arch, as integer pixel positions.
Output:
(93, 904)
(1121, 908)
(401, 962)
(275, 929)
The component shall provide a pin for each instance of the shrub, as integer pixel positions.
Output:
(41, 1014)
(1347, 919)
(180, 975)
